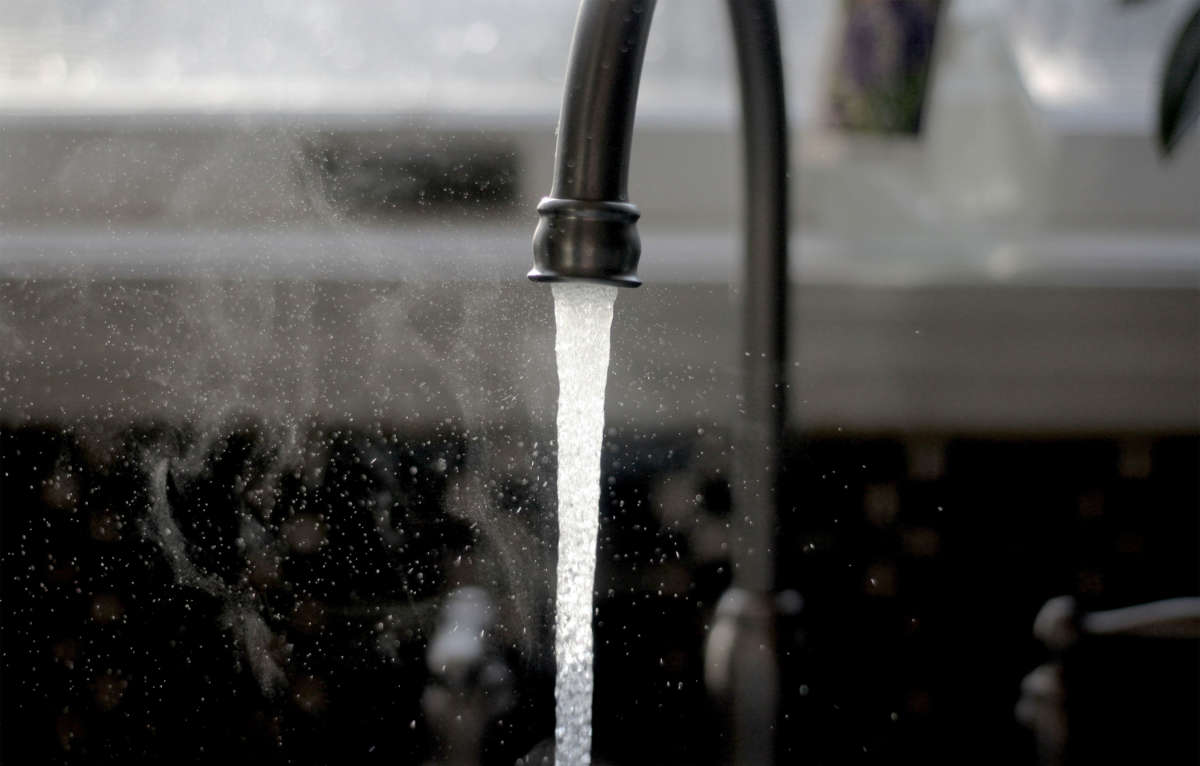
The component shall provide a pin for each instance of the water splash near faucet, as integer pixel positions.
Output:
(583, 317)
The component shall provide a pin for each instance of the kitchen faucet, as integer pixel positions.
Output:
(587, 231)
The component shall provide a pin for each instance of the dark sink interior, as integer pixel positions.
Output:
(920, 564)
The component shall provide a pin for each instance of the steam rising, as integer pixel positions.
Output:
(216, 335)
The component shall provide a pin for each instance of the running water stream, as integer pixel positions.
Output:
(583, 316)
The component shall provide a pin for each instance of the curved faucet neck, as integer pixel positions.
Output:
(595, 125)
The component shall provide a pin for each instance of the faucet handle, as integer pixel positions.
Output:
(1059, 624)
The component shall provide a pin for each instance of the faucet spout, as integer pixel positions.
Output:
(588, 227)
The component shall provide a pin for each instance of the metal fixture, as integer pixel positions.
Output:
(1087, 647)
(470, 683)
(588, 231)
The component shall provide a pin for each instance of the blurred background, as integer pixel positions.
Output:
(276, 400)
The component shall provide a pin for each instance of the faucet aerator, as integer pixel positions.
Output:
(587, 240)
